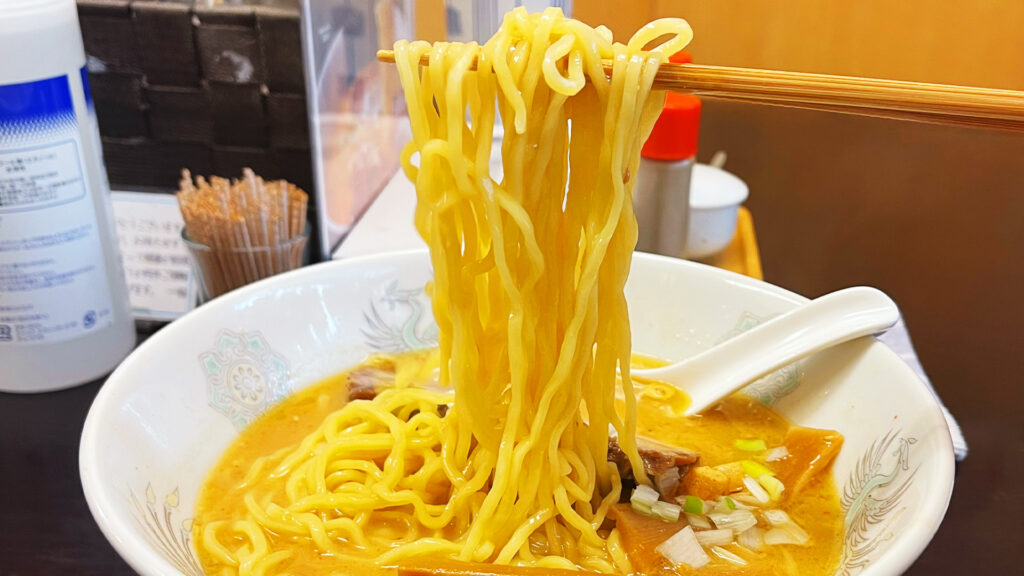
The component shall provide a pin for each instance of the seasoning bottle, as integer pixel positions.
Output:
(65, 318)
(662, 197)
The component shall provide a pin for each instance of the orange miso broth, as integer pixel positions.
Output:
(723, 437)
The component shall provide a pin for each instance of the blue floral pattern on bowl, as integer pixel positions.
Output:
(244, 376)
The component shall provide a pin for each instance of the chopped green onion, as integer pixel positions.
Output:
(644, 495)
(698, 521)
(641, 507)
(776, 454)
(776, 517)
(737, 521)
(666, 511)
(683, 548)
(745, 500)
(756, 445)
(730, 503)
(784, 530)
(755, 490)
(714, 537)
(721, 508)
(751, 538)
(693, 505)
(643, 498)
(772, 485)
(755, 470)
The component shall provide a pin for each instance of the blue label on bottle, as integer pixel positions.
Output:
(30, 108)
(53, 276)
(85, 86)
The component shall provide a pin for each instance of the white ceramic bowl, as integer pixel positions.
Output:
(715, 198)
(164, 417)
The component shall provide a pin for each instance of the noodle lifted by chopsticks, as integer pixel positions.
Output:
(528, 295)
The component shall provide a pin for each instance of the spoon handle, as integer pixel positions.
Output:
(822, 323)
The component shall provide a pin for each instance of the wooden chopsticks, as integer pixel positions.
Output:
(915, 101)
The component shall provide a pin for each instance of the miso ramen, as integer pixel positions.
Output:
(522, 444)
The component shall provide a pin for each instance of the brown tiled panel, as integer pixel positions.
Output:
(151, 164)
(170, 158)
(210, 88)
(108, 35)
(180, 114)
(120, 104)
(238, 115)
(229, 46)
(287, 120)
(128, 161)
(228, 161)
(282, 48)
(165, 38)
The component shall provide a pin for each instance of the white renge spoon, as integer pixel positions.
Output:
(821, 323)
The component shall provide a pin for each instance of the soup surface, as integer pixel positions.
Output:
(721, 437)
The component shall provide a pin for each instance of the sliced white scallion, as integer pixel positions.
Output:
(645, 495)
(745, 500)
(698, 522)
(641, 507)
(756, 490)
(666, 511)
(723, 508)
(772, 485)
(751, 538)
(683, 548)
(643, 498)
(784, 529)
(714, 537)
(728, 556)
(776, 517)
(787, 535)
(776, 454)
(737, 520)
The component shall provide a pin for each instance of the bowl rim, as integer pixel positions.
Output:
(138, 553)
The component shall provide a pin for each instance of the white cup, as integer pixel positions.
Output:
(715, 198)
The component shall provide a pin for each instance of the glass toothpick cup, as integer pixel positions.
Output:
(223, 268)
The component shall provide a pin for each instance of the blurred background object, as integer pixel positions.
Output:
(358, 116)
(359, 124)
(211, 87)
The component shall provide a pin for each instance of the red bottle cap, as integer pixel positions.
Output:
(674, 136)
(681, 57)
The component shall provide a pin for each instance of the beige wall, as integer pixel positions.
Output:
(973, 42)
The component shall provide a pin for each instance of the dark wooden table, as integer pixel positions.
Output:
(46, 528)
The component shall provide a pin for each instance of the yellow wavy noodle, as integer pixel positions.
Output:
(533, 327)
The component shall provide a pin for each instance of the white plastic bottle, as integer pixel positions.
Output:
(662, 194)
(65, 318)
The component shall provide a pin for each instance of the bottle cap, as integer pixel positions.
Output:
(681, 57)
(674, 136)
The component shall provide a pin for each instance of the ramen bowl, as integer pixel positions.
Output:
(167, 413)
